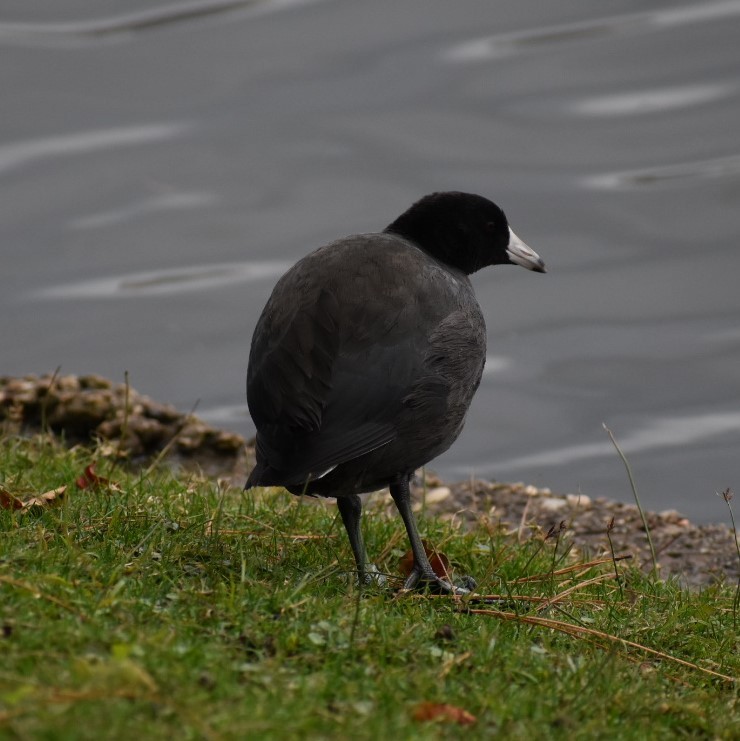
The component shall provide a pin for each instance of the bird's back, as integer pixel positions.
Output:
(362, 366)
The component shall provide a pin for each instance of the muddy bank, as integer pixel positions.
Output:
(89, 408)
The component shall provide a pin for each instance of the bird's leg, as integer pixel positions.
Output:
(423, 571)
(350, 508)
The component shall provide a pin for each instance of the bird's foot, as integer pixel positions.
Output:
(466, 582)
(419, 579)
(372, 577)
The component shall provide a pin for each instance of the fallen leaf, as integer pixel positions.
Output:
(91, 480)
(440, 563)
(8, 501)
(46, 499)
(442, 712)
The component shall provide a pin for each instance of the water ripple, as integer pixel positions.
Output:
(20, 153)
(505, 44)
(728, 166)
(651, 101)
(166, 282)
(658, 434)
(141, 20)
(165, 202)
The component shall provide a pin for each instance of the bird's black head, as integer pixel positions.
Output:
(465, 231)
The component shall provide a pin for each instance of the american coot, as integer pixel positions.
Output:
(367, 355)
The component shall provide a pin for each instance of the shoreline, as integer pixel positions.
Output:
(90, 407)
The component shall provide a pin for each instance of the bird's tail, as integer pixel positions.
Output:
(263, 475)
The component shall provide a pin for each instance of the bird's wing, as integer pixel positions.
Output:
(333, 357)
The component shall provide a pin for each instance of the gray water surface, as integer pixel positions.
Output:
(162, 163)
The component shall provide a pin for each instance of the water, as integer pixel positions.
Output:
(162, 163)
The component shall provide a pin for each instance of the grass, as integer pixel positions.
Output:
(160, 606)
(637, 499)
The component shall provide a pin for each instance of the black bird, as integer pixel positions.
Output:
(366, 357)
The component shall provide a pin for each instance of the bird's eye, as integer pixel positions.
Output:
(491, 226)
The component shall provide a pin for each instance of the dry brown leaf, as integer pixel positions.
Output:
(90, 480)
(440, 563)
(46, 499)
(8, 501)
(442, 712)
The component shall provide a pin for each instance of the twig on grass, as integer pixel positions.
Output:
(569, 569)
(522, 522)
(637, 499)
(727, 496)
(609, 528)
(38, 594)
(558, 533)
(476, 599)
(578, 631)
(566, 592)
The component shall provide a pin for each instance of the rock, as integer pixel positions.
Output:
(20, 390)
(150, 431)
(670, 515)
(228, 442)
(552, 504)
(191, 437)
(672, 530)
(63, 383)
(93, 382)
(437, 494)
